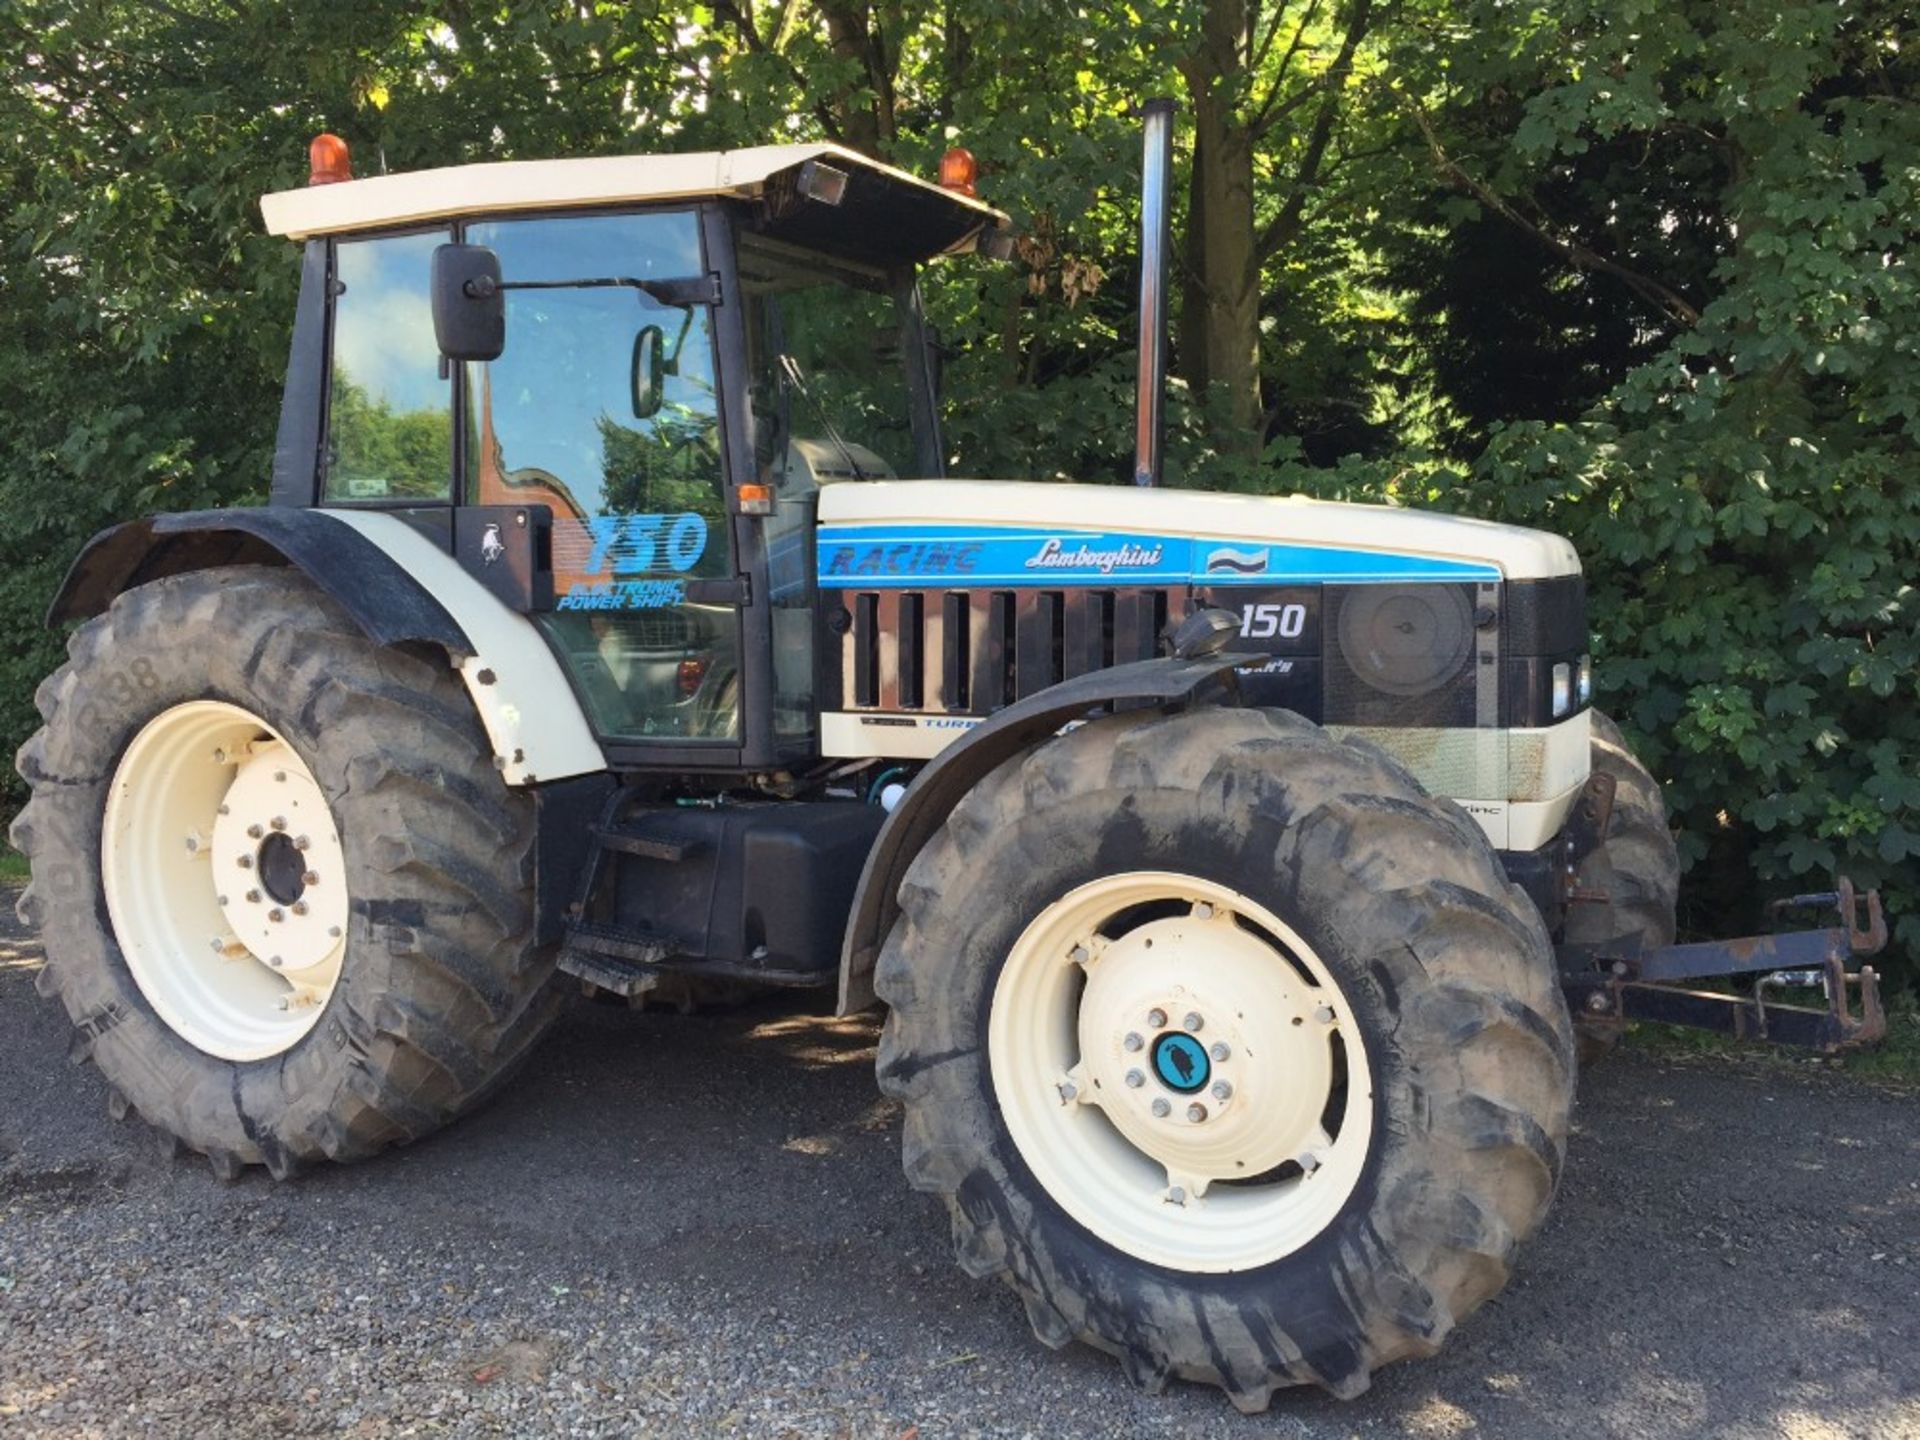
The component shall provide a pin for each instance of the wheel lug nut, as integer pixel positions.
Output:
(279, 822)
(1068, 1092)
(246, 862)
(310, 878)
(1222, 1090)
(254, 832)
(1220, 1051)
(253, 897)
(1133, 1041)
(1135, 1079)
(1156, 1018)
(1196, 1113)
(1324, 1014)
(275, 961)
(1203, 911)
(299, 842)
(1176, 1196)
(276, 914)
(280, 775)
(333, 932)
(1193, 1020)
(299, 907)
(1161, 1109)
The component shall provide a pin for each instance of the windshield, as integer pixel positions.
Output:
(830, 394)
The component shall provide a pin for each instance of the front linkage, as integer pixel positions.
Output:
(1619, 980)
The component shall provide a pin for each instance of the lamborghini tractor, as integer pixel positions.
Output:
(1239, 875)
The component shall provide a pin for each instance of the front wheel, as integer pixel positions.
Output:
(1636, 869)
(1230, 1049)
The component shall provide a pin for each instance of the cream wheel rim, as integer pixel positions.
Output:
(225, 880)
(1180, 1071)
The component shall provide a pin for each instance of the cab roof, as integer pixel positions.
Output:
(884, 212)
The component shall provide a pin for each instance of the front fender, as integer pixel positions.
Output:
(1169, 684)
(396, 585)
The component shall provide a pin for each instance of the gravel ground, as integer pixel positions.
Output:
(697, 1226)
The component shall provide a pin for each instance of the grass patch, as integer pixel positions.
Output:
(13, 866)
(1896, 1060)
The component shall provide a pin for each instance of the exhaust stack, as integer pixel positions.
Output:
(1156, 186)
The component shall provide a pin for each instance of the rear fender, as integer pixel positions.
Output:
(936, 790)
(398, 587)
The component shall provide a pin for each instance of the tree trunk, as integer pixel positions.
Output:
(1220, 311)
(853, 30)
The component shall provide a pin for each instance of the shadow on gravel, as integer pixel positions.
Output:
(697, 1224)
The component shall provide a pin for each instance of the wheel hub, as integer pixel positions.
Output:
(274, 849)
(1200, 980)
(1181, 1062)
(282, 868)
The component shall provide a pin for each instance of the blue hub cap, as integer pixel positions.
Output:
(1181, 1062)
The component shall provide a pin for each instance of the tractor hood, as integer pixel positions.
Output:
(1005, 532)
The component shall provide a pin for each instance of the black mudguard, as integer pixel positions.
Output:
(388, 604)
(1167, 684)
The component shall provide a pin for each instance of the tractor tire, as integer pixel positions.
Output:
(1328, 933)
(1637, 866)
(388, 870)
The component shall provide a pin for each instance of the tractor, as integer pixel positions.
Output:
(1240, 876)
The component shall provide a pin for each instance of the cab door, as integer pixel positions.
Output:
(645, 603)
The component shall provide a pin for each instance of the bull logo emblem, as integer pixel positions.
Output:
(492, 547)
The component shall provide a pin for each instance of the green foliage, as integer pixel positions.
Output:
(1636, 271)
(380, 452)
(1746, 502)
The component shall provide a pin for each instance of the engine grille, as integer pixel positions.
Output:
(971, 652)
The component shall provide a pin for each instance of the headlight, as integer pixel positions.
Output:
(1562, 688)
(1406, 640)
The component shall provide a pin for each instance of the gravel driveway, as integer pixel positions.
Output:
(697, 1226)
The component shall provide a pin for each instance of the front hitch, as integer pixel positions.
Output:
(1619, 981)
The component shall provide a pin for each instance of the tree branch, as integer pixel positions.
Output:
(1577, 254)
(1285, 225)
(1262, 111)
(739, 13)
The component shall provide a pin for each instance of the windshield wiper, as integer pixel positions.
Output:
(790, 368)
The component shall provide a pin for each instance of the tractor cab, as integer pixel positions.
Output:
(613, 388)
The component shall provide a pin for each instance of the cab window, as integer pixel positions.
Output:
(389, 411)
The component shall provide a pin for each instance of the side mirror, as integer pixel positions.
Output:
(650, 371)
(469, 307)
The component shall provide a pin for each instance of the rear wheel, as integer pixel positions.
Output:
(1637, 868)
(1230, 1049)
(284, 894)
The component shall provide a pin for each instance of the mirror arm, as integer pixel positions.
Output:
(682, 292)
(672, 365)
